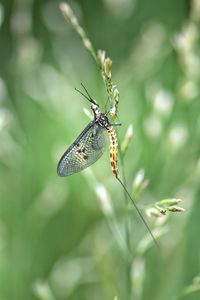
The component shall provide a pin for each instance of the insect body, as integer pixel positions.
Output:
(90, 145)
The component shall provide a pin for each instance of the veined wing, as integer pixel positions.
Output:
(87, 148)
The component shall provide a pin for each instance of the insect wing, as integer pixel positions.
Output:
(86, 149)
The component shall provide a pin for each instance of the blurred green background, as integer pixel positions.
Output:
(63, 238)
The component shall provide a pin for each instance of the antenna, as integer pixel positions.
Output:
(88, 97)
(82, 94)
(87, 92)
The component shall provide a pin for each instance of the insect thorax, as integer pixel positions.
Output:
(100, 117)
(102, 120)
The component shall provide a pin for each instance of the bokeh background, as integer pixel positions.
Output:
(65, 238)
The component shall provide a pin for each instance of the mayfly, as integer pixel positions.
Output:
(89, 147)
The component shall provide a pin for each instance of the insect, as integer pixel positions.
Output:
(90, 144)
(89, 147)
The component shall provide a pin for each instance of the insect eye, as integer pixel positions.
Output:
(94, 105)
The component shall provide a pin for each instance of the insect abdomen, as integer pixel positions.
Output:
(113, 151)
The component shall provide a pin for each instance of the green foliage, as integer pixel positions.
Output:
(74, 238)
